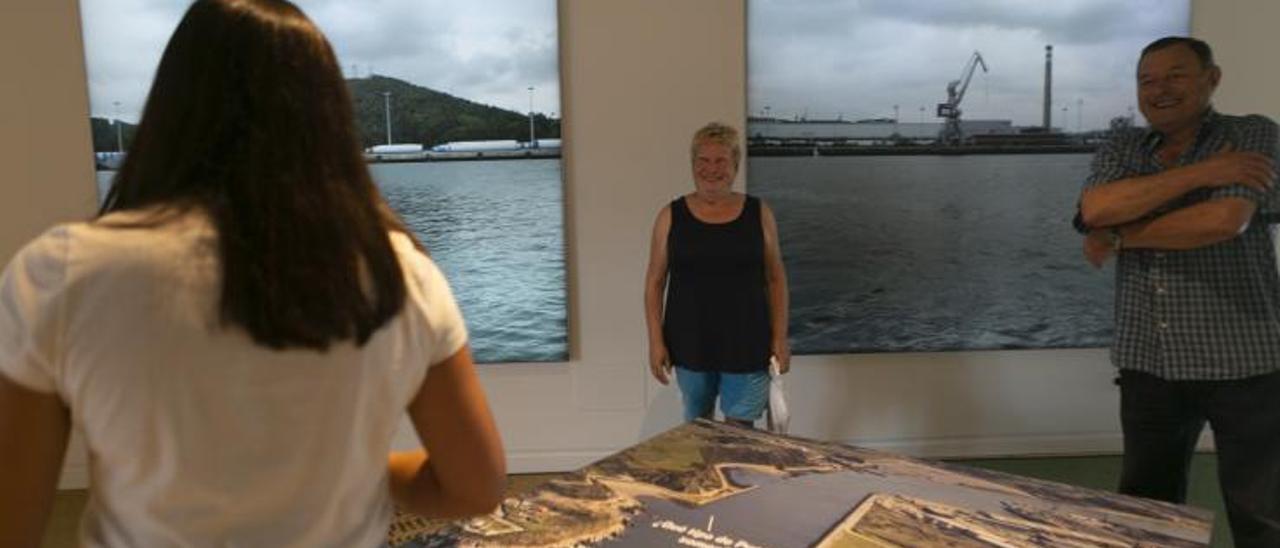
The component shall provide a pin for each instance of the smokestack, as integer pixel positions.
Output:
(1048, 85)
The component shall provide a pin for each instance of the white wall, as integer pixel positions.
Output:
(1242, 33)
(639, 77)
(44, 136)
(44, 127)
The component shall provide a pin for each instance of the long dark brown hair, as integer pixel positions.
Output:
(249, 119)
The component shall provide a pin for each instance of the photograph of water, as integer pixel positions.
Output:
(882, 254)
(924, 160)
(496, 229)
(457, 107)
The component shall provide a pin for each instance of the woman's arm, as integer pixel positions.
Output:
(776, 280)
(463, 471)
(33, 440)
(655, 282)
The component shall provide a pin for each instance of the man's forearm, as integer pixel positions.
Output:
(1192, 227)
(1126, 200)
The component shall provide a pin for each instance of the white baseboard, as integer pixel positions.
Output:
(1056, 445)
(1102, 443)
(999, 447)
(541, 462)
(76, 475)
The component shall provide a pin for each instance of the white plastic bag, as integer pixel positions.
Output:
(779, 417)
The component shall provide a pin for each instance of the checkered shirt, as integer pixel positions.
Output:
(1211, 313)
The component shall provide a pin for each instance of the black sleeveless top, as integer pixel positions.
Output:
(717, 312)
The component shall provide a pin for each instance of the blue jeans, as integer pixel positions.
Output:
(742, 395)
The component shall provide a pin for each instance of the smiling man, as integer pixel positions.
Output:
(1197, 335)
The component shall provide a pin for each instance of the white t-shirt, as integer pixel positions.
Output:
(198, 437)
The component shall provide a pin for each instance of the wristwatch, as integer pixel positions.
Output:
(1117, 240)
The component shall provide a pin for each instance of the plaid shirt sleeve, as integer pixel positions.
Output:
(1257, 134)
(1110, 163)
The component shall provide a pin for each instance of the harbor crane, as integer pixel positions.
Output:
(950, 110)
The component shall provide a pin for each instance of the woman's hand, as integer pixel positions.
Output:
(660, 363)
(782, 352)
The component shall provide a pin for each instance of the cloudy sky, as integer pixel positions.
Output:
(488, 51)
(858, 58)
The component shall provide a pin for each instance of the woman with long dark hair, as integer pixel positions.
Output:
(240, 329)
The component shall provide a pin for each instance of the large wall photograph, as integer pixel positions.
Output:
(458, 104)
(924, 160)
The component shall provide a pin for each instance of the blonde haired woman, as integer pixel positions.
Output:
(715, 253)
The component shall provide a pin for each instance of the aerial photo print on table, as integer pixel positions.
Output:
(708, 484)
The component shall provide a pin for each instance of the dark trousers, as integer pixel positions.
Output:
(1162, 420)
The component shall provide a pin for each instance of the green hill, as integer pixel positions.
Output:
(423, 115)
(104, 134)
(418, 115)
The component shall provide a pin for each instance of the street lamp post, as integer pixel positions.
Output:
(386, 104)
(119, 131)
(533, 141)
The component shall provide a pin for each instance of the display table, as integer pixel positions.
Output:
(707, 484)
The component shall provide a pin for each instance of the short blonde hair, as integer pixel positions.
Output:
(720, 134)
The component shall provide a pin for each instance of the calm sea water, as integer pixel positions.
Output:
(496, 229)
(901, 253)
(921, 253)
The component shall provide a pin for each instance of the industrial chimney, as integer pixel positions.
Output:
(1048, 85)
